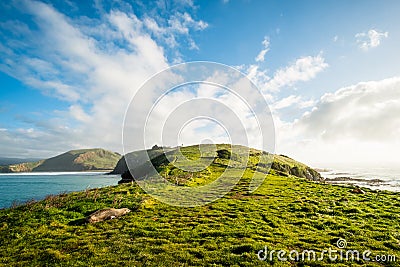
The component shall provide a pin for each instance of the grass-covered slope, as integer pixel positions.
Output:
(285, 212)
(74, 160)
(282, 164)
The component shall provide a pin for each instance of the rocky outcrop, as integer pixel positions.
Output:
(120, 167)
(298, 171)
(137, 158)
(126, 178)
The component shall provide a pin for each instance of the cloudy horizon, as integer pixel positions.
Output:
(331, 77)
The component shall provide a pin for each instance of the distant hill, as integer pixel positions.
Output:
(75, 160)
(8, 161)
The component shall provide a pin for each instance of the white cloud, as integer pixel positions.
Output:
(366, 111)
(96, 69)
(303, 69)
(183, 22)
(153, 26)
(291, 101)
(261, 56)
(370, 39)
(256, 74)
(335, 38)
(178, 24)
(359, 123)
(78, 113)
(193, 45)
(286, 102)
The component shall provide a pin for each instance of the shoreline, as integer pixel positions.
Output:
(55, 173)
(372, 184)
(376, 177)
(285, 213)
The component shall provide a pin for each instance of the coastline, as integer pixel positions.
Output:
(57, 173)
(375, 178)
(290, 211)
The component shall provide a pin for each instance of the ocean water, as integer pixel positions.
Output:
(366, 176)
(21, 187)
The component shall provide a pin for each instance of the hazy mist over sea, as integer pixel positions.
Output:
(388, 173)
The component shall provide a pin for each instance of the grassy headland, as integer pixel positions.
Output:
(285, 212)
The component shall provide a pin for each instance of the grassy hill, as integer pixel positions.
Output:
(74, 160)
(281, 164)
(286, 212)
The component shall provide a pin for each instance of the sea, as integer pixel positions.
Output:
(17, 188)
(373, 176)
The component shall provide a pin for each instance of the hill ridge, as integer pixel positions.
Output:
(282, 165)
(94, 159)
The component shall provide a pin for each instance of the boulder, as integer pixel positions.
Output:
(106, 214)
(358, 190)
(126, 177)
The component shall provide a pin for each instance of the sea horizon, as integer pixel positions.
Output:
(381, 176)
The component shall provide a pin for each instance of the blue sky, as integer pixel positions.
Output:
(329, 69)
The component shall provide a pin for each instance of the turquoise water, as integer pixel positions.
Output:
(23, 187)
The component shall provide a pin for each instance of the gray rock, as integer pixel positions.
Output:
(106, 214)
(358, 190)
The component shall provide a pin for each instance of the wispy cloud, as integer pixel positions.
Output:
(303, 69)
(261, 56)
(370, 39)
(291, 101)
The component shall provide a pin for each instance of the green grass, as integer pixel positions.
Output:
(286, 212)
